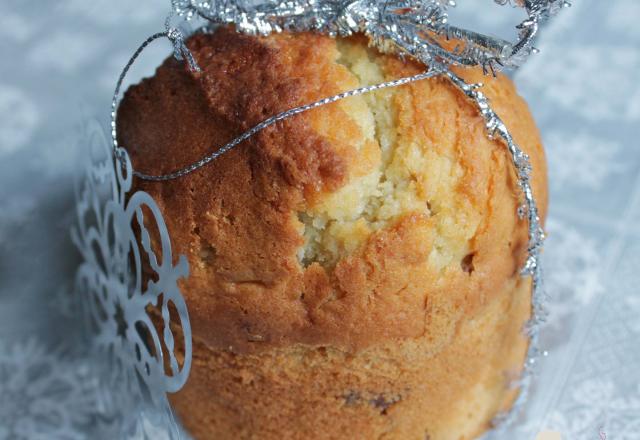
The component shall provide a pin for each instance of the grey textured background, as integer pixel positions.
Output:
(59, 65)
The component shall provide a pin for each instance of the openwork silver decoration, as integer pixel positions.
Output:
(128, 282)
(419, 29)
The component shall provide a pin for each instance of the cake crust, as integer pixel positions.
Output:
(376, 229)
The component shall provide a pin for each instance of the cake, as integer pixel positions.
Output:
(354, 270)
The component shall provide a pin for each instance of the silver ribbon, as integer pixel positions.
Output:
(413, 28)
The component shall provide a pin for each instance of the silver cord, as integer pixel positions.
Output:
(276, 118)
(180, 52)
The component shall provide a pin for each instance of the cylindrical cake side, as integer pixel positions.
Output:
(355, 269)
(396, 390)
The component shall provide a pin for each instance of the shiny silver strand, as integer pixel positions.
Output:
(408, 28)
(180, 52)
(281, 117)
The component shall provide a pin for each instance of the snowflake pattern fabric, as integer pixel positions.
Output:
(64, 59)
(43, 395)
(20, 118)
(589, 171)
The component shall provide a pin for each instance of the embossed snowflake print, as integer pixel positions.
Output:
(582, 160)
(43, 395)
(588, 79)
(21, 119)
(572, 269)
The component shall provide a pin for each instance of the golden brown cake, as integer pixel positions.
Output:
(354, 269)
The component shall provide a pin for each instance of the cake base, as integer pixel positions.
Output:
(443, 389)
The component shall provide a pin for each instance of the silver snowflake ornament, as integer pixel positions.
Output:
(128, 283)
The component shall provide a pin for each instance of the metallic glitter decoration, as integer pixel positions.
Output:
(418, 29)
(529, 210)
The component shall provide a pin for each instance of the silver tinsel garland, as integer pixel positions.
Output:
(408, 28)
(411, 27)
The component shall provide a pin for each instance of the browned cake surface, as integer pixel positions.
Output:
(354, 270)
